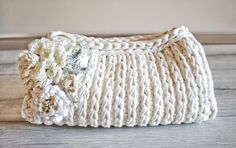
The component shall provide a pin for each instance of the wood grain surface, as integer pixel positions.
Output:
(221, 132)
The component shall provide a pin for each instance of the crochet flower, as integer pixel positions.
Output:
(70, 84)
(27, 60)
(43, 63)
(52, 106)
(53, 71)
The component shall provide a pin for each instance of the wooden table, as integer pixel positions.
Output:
(221, 132)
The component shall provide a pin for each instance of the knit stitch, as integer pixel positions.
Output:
(120, 81)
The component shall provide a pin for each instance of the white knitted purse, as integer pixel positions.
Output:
(122, 81)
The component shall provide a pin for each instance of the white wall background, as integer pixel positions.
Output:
(31, 17)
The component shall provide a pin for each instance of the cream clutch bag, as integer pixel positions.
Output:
(122, 81)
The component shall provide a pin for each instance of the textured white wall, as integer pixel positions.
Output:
(31, 17)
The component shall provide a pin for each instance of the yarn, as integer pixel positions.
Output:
(119, 81)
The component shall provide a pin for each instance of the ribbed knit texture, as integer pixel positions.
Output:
(138, 80)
